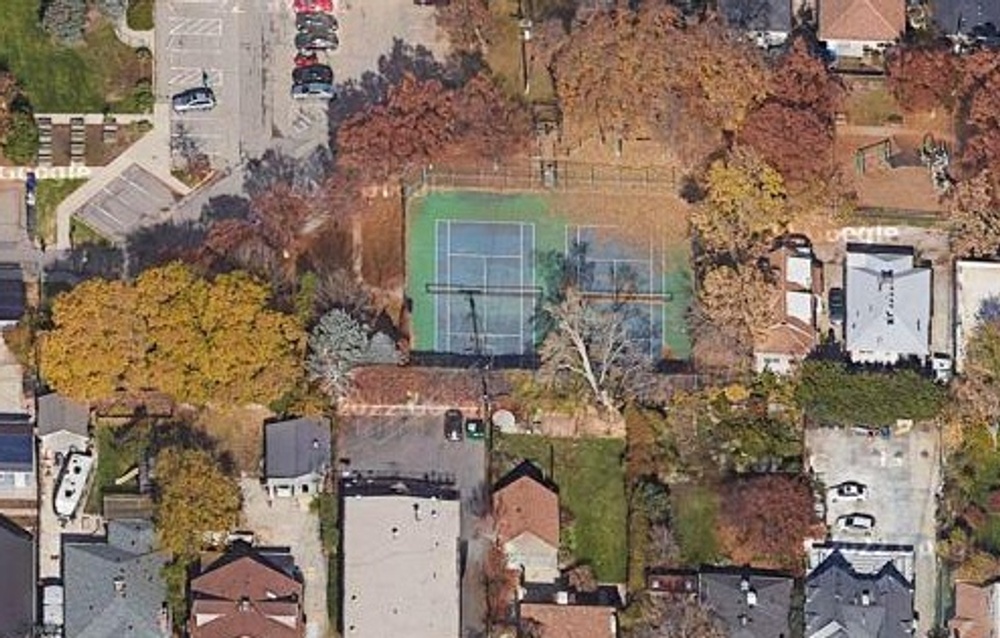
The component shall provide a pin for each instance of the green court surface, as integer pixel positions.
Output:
(461, 240)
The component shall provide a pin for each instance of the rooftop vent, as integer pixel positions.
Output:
(119, 583)
(866, 598)
(562, 597)
(751, 598)
(243, 604)
(744, 584)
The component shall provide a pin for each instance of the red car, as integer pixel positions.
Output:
(306, 59)
(313, 6)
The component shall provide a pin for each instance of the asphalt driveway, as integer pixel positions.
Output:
(902, 474)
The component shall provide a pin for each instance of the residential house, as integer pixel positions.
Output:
(853, 28)
(800, 278)
(750, 603)
(113, 585)
(768, 21)
(296, 456)
(62, 424)
(526, 510)
(966, 17)
(17, 587)
(247, 592)
(400, 553)
(18, 483)
(680, 584)
(843, 602)
(562, 618)
(888, 304)
(977, 611)
(977, 297)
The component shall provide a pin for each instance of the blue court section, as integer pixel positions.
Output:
(618, 269)
(486, 274)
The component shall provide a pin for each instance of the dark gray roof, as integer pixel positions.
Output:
(113, 585)
(296, 448)
(12, 295)
(17, 447)
(841, 603)
(56, 412)
(17, 587)
(758, 15)
(752, 604)
(961, 16)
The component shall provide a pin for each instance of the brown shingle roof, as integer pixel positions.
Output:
(791, 337)
(433, 387)
(571, 621)
(250, 596)
(972, 612)
(527, 505)
(864, 20)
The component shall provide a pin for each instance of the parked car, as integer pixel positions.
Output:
(836, 306)
(856, 523)
(316, 73)
(312, 6)
(313, 20)
(432, 3)
(313, 90)
(454, 422)
(850, 491)
(316, 41)
(306, 58)
(198, 99)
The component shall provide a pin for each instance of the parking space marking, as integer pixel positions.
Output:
(195, 26)
(195, 76)
(195, 43)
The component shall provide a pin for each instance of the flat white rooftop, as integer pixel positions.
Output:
(977, 293)
(401, 567)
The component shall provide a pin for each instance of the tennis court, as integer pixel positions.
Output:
(485, 286)
(477, 262)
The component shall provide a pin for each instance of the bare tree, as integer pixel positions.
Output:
(591, 343)
(657, 616)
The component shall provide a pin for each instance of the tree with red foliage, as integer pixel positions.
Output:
(765, 519)
(923, 77)
(422, 120)
(793, 129)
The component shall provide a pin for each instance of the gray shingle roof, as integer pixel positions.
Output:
(56, 412)
(113, 586)
(17, 587)
(758, 15)
(840, 603)
(961, 16)
(888, 301)
(296, 448)
(729, 596)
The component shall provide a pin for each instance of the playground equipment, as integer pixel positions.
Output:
(881, 150)
(935, 156)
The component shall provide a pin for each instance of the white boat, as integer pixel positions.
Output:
(72, 482)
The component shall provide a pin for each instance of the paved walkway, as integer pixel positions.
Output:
(133, 38)
(151, 152)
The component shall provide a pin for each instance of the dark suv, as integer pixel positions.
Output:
(313, 73)
(454, 422)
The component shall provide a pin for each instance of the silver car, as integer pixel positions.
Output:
(198, 99)
(313, 90)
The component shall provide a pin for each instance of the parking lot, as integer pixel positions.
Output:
(221, 44)
(902, 477)
(415, 446)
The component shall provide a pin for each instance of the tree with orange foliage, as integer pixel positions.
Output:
(764, 520)
(923, 77)
(793, 129)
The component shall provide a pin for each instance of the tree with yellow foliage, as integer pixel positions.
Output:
(171, 330)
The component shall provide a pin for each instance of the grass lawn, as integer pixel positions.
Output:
(140, 15)
(88, 77)
(117, 453)
(694, 509)
(50, 193)
(591, 482)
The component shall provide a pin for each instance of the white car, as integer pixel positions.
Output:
(856, 523)
(850, 491)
